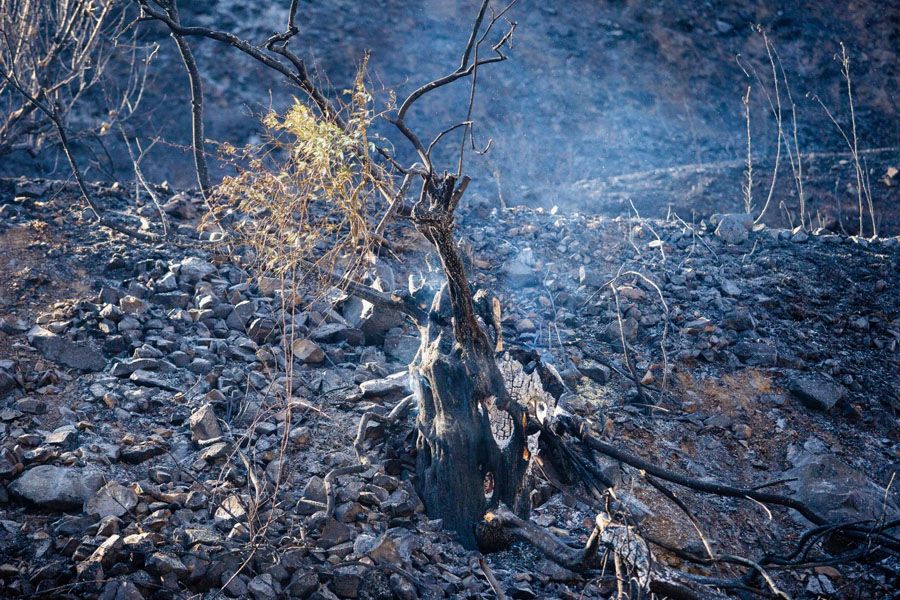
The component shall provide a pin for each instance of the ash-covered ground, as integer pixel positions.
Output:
(150, 446)
(140, 416)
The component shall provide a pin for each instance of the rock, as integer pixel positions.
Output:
(756, 354)
(215, 451)
(389, 388)
(799, 236)
(62, 436)
(591, 278)
(380, 549)
(138, 453)
(167, 283)
(307, 351)
(131, 305)
(302, 584)
(525, 326)
(57, 488)
(241, 315)
(301, 436)
(400, 346)
(204, 425)
(374, 321)
(162, 564)
(150, 379)
(345, 582)
(108, 552)
(7, 381)
(734, 228)
(78, 355)
(121, 590)
(730, 288)
(817, 392)
(329, 332)
(260, 329)
(264, 587)
(193, 269)
(593, 370)
(112, 500)
(518, 273)
(742, 431)
(738, 320)
(334, 532)
(229, 512)
(834, 489)
(31, 406)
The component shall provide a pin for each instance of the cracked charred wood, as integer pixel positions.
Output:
(463, 467)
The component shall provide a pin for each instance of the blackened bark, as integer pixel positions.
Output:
(456, 381)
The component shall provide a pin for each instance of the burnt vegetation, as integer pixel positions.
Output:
(482, 428)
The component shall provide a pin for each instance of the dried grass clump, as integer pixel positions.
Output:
(306, 194)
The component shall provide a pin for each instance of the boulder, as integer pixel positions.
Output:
(78, 355)
(56, 488)
(834, 489)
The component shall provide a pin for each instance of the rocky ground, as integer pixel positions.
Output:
(151, 447)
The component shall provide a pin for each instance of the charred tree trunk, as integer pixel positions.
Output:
(464, 466)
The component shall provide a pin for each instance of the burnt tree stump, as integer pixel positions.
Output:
(464, 467)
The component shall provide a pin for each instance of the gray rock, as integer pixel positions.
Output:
(388, 388)
(595, 371)
(260, 329)
(817, 392)
(78, 355)
(329, 332)
(374, 321)
(517, 273)
(756, 354)
(264, 587)
(57, 488)
(739, 320)
(7, 381)
(150, 379)
(195, 269)
(167, 283)
(162, 563)
(734, 228)
(307, 351)
(112, 500)
(62, 436)
(241, 315)
(834, 489)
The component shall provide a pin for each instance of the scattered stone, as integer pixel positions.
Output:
(817, 392)
(193, 270)
(307, 351)
(264, 587)
(112, 500)
(389, 388)
(734, 228)
(204, 424)
(756, 354)
(595, 371)
(162, 563)
(141, 452)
